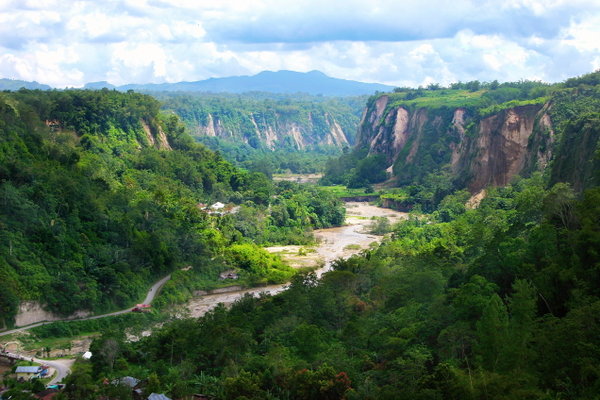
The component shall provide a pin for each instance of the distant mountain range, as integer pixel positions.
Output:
(313, 82)
(15, 84)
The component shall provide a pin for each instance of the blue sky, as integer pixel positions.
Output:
(402, 42)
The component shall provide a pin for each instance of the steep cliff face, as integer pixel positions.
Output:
(155, 136)
(479, 151)
(150, 135)
(276, 131)
(499, 150)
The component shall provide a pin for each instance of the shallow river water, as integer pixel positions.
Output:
(334, 243)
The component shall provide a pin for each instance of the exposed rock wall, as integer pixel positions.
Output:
(156, 137)
(500, 148)
(31, 312)
(282, 132)
(480, 151)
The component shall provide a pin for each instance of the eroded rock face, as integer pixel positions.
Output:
(501, 147)
(482, 151)
(279, 133)
(156, 137)
(31, 312)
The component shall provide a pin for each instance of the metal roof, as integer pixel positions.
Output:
(28, 370)
(156, 396)
(126, 380)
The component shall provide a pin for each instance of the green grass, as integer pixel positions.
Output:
(343, 191)
(397, 195)
(438, 98)
(32, 343)
(8, 338)
(510, 104)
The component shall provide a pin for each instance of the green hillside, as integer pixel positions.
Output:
(100, 196)
(440, 155)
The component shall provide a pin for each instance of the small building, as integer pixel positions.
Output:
(26, 373)
(87, 355)
(157, 396)
(127, 381)
(218, 206)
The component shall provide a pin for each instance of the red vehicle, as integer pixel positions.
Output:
(141, 308)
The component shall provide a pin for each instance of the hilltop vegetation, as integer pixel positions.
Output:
(496, 302)
(100, 197)
(447, 130)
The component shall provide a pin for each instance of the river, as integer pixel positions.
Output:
(333, 243)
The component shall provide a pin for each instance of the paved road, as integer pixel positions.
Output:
(149, 298)
(62, 367)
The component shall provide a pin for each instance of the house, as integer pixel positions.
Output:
(87, 355)
(26, 373)
(156, 396)
(126, 380)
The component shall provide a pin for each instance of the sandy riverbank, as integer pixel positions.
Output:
(334, 243)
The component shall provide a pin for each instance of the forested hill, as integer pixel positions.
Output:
(269, 132)
(100, 195)
(473, 135)
(497, 301)
(270, 122)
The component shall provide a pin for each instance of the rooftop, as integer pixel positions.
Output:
(28, 370)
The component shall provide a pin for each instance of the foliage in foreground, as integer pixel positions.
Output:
(497, 302)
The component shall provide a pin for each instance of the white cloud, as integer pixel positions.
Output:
(401, 43)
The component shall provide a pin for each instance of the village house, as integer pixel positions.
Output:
(26, 373)
(157, 396)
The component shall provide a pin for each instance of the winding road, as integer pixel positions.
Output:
(149, 298)
(63, 366)
(337, 242)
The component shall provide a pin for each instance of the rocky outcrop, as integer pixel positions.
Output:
(279, 132)
(499, 151)
(479, 151)
(31, 312)
(155, 136)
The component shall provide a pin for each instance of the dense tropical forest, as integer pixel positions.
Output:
(463, 300)
(498, 302)
(102, 195)
(495, 302)
(269, 132)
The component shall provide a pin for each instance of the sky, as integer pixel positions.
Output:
(401, 43)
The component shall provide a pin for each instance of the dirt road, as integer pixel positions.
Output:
(149, 297)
